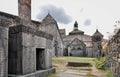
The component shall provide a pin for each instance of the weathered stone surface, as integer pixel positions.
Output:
(24, 7)
(22, 28)
(78, 64)
(3, 51)
(30, 45)
(49, 25)
(23, 44)
(77, 48)
(77, 51)
(41, 73)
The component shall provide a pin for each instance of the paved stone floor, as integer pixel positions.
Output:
(73, 73)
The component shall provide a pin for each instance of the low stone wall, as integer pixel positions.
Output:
(41, 73)
(79, 64)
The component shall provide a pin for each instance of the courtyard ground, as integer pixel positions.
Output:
(62, 70)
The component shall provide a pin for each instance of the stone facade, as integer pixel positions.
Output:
(49, 25)
(3, 49)
(85, 45)
(29, 51)
(77, 48)
(25, 48)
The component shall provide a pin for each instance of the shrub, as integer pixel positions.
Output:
(100, 62)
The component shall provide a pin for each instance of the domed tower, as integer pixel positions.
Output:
(76, 31)
(75, 25)
(97, 39)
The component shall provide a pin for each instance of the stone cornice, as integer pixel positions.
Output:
(25, 29)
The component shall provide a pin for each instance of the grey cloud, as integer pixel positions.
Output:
(57, 13)
(87, 22)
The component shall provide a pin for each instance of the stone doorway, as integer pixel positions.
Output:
(40, 58)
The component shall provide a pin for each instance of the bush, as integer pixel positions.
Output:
(100, 62)
(100, 65)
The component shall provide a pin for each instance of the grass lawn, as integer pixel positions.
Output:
(62, 60)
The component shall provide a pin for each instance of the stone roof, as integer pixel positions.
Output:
(49, 19)
(76, 32)
(87, 39)
(76, 39)
(97, 33)
(80, 37)
(62, 30)
(8, 15)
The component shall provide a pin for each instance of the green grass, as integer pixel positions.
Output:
(109, 73)
(60, 60)
(52, 75)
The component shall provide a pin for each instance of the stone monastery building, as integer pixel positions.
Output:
(27, 46)
(79, 44)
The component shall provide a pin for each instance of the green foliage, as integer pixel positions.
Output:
(109, 73)
(100, 62)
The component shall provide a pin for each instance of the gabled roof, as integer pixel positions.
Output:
(76, 39)
(49, 18)
(97, 33)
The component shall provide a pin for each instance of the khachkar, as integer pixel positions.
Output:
(113, 53)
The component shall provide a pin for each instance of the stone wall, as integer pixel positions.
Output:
(77, 48)
(113, 54)
(51, 27)
(19, 57)
(3, 51)
(5, 22)
(23, 44)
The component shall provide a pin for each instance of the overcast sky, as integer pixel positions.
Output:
(90, 14)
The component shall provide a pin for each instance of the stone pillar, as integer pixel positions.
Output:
(24, 9)
(3, 51)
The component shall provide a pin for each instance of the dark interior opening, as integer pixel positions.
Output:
(39, 59)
